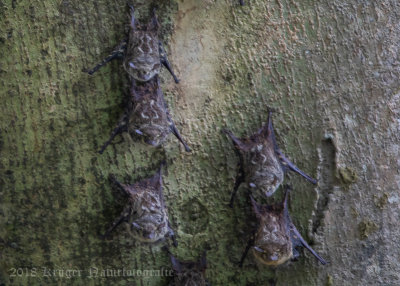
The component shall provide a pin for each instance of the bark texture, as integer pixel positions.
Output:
(330, 70)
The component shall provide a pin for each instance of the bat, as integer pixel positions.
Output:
(142, 52)
(262, 164)
(189, 272)
(145, 213)
(275, 240)
(146, 116)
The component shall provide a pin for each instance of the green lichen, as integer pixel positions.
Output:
(347, 175)
(366, 228)
(381, 201)
(329, 280)
(354, 212)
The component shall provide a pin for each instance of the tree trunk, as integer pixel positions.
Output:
(329, 69)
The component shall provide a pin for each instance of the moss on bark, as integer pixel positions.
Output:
(330, 71)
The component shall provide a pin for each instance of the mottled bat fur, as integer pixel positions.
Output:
(142, 53)
(276, 237)
(262, 163)
(145, 213)
(146, 116)
(188, 273)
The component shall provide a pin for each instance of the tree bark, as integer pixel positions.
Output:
(330, 71)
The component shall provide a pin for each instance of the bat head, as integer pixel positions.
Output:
(142, 58)
(146, 214)
(272, 244)
(189, 273)
(261, 165)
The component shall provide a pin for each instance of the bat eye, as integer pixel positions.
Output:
(151, 142)
(150, 235)
(274, 257)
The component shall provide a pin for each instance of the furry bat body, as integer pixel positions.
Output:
(142, 52)
(146, 116)
(145, 213)
(262, 163)
(276, 238)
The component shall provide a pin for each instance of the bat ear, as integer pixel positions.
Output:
(128, 189)
(153, 24)
(203, 261)
(236, 141)
(270, 127)
(156, 183)
(156, 180)
(256, 207)
(287, 189)
(175, 264)
(268, 130)
(133, 92)
(132, 17)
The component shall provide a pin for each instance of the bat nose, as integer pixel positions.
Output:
(146, 76)
(151, 142)
(149, 235)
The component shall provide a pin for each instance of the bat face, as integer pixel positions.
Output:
(276, 237)
(272, 245)
(149, 116)
(189, 273)
(145, 214)
(142, 60)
